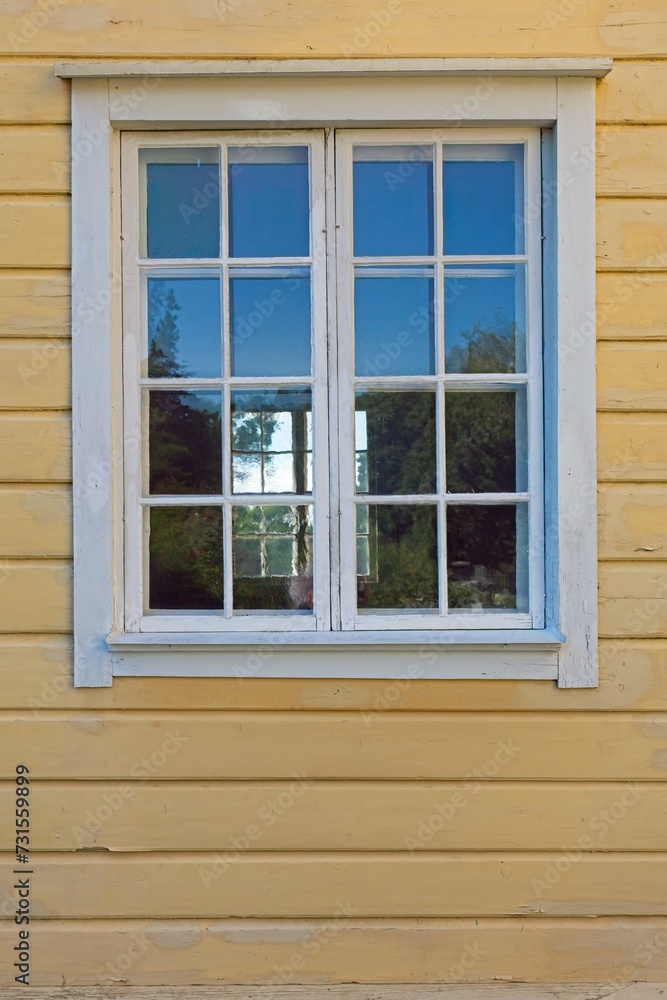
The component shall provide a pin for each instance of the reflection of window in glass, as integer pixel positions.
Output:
(272, 448)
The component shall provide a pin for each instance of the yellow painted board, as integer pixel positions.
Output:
(632, 306)
(632, 447)
(35, 447)
(35, 231)
(201, 27)
(302, 815)
(35, 522)
(31, 94)
(35, 374)
(36, 673)
(336, 745)
(633, 599)
(382, 884)
(35, 596)
(35, 304)
(34, 160)
(286, 952)
(630, 160)
(632, 376)
(634, 92)
(632, 522)
(632, 233)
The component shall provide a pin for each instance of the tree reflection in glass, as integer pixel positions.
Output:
(185, 558)
(401, 557)
(395, 446)
(272, 441)
(482, 555)
(272, 557)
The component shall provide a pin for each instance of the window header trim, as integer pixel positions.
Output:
(550, 67)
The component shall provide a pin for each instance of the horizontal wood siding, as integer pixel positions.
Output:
(389, 838)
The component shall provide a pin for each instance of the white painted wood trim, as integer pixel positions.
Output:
(571, 413)
(94, 463)
(540, 66)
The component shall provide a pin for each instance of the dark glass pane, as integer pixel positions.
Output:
(268, 201)
(184, 337)
(185, 442)
(182, 203)
(402, 561)
(483, 199)
(482, 555)
(272, 555)
(393, 323)
(395, 442)
(481, 442)
(272, 449)
(186, 566)
(270, 319)
(485, 319)
(393, 201)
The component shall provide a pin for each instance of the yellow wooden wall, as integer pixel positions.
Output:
(327, 779)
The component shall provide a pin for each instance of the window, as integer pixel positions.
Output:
(339, 408)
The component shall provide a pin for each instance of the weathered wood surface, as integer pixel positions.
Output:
(342, 816)
(35, 447)
(631, 306)
(632, 447)
(632, 521)
(632, 376)
(34, 160)
(404, 991)
(35, 231)
(34, 304)
(271, 885)
(177, 953)
(31, 94)
(281, 745)
(632, 234)
(35, 523)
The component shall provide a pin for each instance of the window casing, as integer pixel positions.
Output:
(556, 96)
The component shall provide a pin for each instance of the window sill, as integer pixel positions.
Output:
(511, 654)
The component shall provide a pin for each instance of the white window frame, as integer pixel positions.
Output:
(557, 96)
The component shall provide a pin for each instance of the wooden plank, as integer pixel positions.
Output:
(140, 953)
(188, 886)
(34, 305)
(632, 447)
(35, 596)
(35, 523)
(35, 374)
(632, 522)
(335, 745)
(513, 991)
(301, 815)
(634, 92)
(34, 160)
(34, 232)
(630, 160)
(196, 28)
(632, 376)
(632, 234)
(36, 674)
(633, 599)
(31, 94)
(35, 448)
(631, 306)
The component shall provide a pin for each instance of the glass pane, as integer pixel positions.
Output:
(272, 555)
(185, 551)
(270, 320)
(395, 442)
(182, 202)
(393, 201)
(184, 337)
(485, 442)
(483, 199)
(271, 441)
(482, 551)
(402, 544)
(485, 319)
(393, 321)
(185, 442)
(268, 201)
